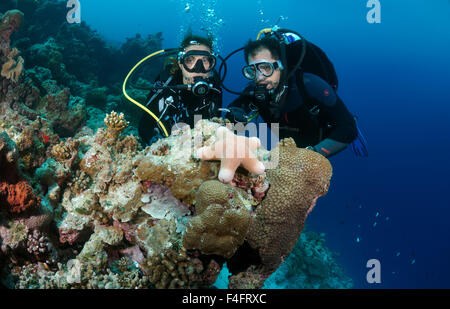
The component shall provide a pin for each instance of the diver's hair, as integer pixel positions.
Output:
(270, 43)
(189, 37)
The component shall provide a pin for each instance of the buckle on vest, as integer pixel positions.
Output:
(314, 110)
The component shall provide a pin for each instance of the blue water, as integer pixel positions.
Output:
(394, 75)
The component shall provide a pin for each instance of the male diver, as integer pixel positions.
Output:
(282, 90)
(186, 87)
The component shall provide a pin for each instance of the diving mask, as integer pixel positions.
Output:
(197, 61)
(261, 66)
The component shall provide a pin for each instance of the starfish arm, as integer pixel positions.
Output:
(253, 165)
(254, 143)
(227, 169)
(206, 153)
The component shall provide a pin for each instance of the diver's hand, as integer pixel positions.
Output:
(237, 114)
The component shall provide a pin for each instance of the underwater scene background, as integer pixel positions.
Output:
(391, 206)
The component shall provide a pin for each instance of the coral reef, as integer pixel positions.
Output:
(9, 23)
(113, 197)
(311, 265)
(66, 113)
(82, 205)
(8, 158)
(16, 195)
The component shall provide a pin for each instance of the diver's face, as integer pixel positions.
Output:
(188, 77)
(272, 81)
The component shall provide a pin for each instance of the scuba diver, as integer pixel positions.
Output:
(187, 86)
(293, 83)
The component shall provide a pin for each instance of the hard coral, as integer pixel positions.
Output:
(301, 177)
(176, 269)
(221, 223)
(66, 152)
(13, 236)
(13, 67)
(115, 123)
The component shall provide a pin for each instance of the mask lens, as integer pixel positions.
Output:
(208, 62)
(249, 72)
(189, 61)
(265, 68)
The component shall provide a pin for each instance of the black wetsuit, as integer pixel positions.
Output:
(329, 127)
(177, 107)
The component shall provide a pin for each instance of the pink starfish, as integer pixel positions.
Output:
(232, 150)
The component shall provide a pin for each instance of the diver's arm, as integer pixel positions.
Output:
(216, 97)
(333, 110)
(344, 129)
(146, 128)
(239, 109)
(329, 147)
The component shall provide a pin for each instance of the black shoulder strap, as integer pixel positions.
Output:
(311, 103)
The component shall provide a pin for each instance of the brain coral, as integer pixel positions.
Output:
(300, 178)
(221, 223)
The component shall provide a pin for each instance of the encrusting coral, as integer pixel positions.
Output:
(16, 194)
(170, 162)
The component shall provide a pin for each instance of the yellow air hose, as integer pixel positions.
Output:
(266, 30)
(137, 103)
